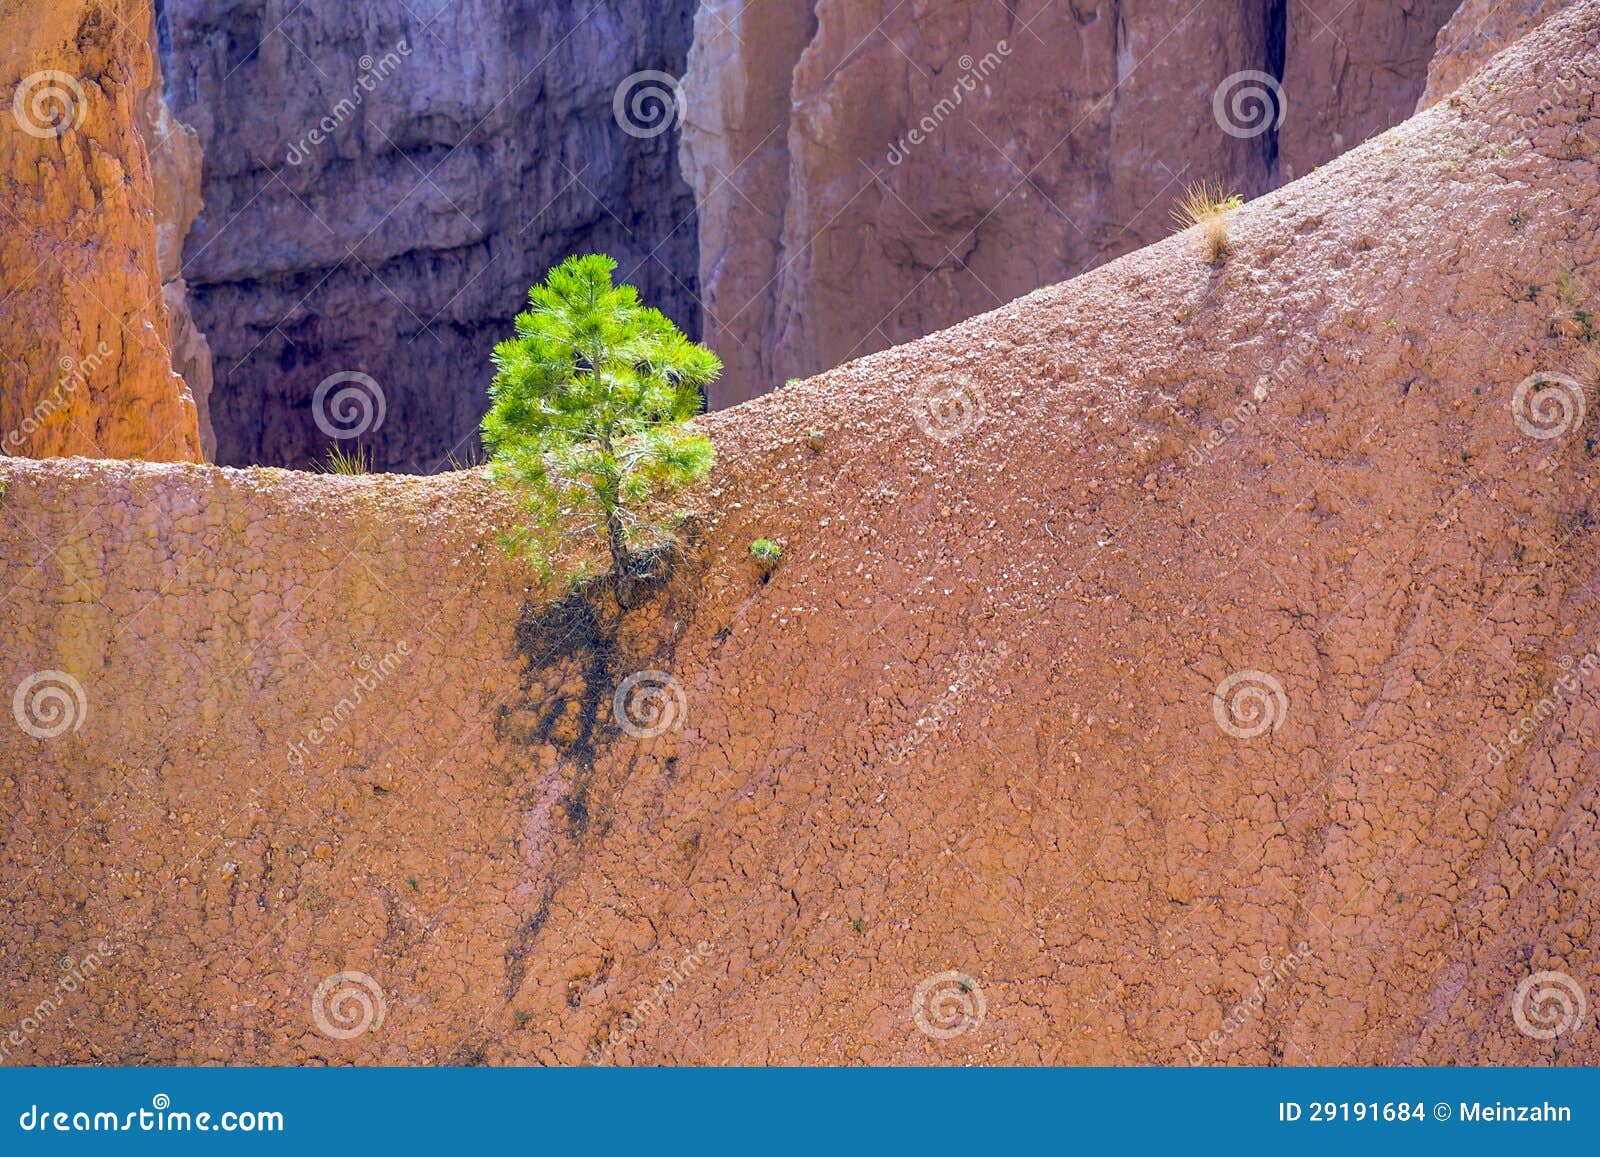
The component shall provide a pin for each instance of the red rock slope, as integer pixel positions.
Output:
(1147, 698)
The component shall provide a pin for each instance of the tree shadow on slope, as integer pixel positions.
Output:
(577, 651)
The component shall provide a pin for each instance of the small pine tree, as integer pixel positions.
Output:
(589, 421)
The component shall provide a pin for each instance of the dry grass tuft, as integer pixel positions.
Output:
(469, 457)
(357, 460)
(1206, 206)
(1589, 369)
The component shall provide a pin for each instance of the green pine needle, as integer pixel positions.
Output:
(588, 419)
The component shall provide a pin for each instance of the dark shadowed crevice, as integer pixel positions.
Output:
(1277, 45)
(384, 181)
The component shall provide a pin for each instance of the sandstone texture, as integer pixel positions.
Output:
(1056, 135)
(384, 181)
(1478, 30)
(85, 363)
(1137, 686)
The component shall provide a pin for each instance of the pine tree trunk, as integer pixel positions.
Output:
(621, 560)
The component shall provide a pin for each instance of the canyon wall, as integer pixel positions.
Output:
(175, 168)
(1179, 665)
(418, 169)
(864, 175)
(85, 332)
(869, 172)
(383, 182)
(1478, 30)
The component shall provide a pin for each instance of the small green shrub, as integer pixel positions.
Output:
(766, 552)
(589, 423)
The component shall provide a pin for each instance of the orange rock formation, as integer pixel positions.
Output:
(85, 362)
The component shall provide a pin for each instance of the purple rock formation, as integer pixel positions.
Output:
(382, 183)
